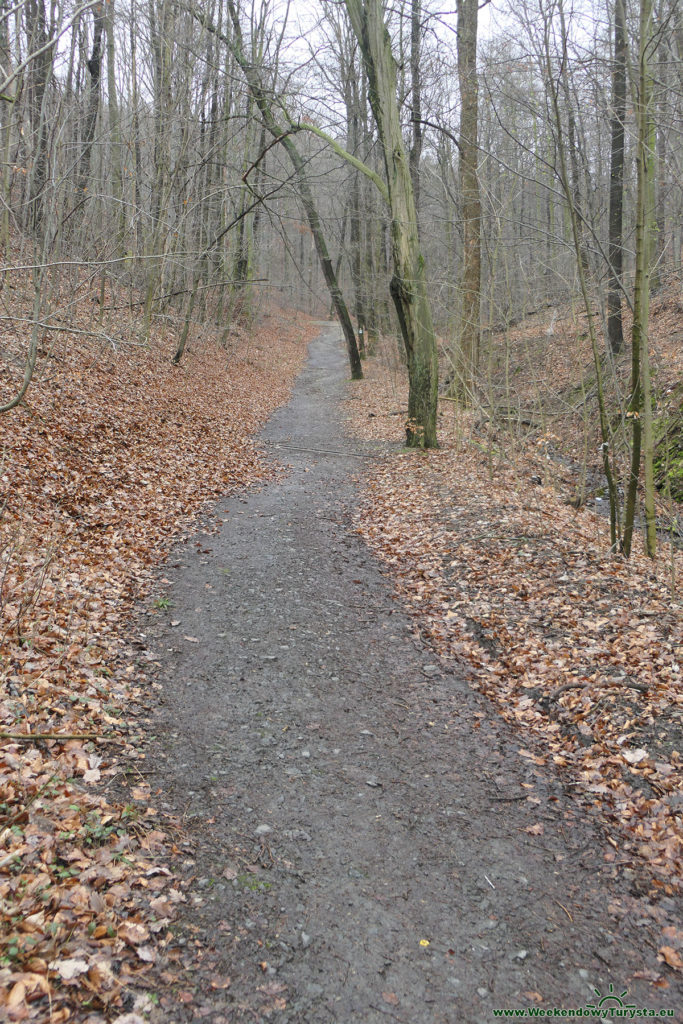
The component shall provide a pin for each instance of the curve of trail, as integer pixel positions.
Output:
(368, 844)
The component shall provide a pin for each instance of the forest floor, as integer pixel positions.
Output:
(579, 649)
(105, 465)
(309, 808)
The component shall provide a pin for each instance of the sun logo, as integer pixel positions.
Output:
(610, 1000)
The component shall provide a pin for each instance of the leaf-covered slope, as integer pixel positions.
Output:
(579, 648)
(106, 464)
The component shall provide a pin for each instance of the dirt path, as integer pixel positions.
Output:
(369, 844)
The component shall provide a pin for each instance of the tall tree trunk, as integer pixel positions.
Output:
(137, 242)
(94, 65)
(260, 176)
(415, 99)
(408, 284)
(353, 119)
(640, 404)
(7, 115)
(615, 332)
(575, 226)
(240, 271)
(37, 77)
(573, 146)
(115, 126)
(470, 322)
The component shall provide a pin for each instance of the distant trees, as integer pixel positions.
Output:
(282, 134)
(213, 156)
(132, 122)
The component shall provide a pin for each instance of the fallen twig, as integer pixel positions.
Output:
(562, 907)
(29, 737)
(318, 451)
(576, 685)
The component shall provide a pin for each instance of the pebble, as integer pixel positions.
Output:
(482, 992)
(429, 670)
(305, 940)
(263, 830)
(305, 753)
(522, 954)
(298, 833)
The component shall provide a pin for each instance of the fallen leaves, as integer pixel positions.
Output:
(223, 983)
(133, 933)
(634, 756)
(106, 465)
(579, 649)
(671, 957)
(70, 968)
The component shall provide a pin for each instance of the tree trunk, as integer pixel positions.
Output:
(415, 100)
(137, 242)
(615, 331)
(7, 114)
(568, 188)
(161, 45)
(38, 74)
(573, 146)
(408, 284)
(352, 106)
(94, 65)
(115, 126)
(468, 353)
(640, 403)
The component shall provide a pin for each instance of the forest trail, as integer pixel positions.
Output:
(367, 842)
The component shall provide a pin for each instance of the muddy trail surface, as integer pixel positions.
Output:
(367, 845)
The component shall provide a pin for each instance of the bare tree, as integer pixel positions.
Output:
(640, 404)
(615, 331)
(94, 65)
(468, 348)
(408, 284)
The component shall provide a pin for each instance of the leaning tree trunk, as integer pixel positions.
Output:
(408, 284)
(252, 75)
